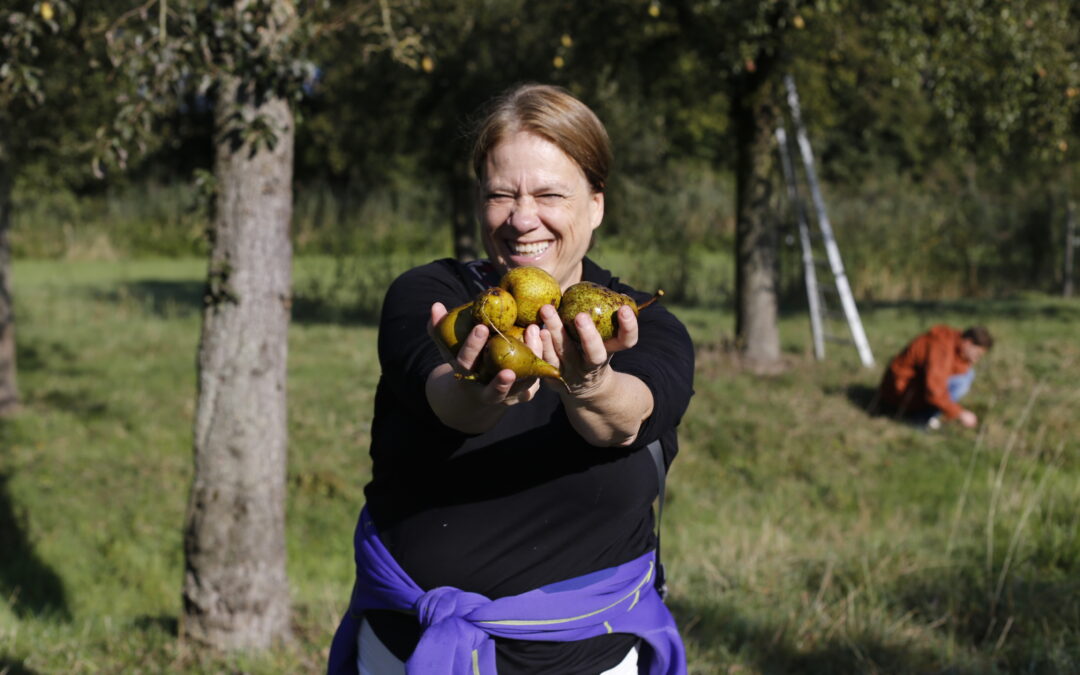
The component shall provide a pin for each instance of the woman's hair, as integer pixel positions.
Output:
(553, 114)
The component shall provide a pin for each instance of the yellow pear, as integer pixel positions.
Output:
(495, 308)
(505, 352)
(600, 303)
(532, 288)
(453, 328)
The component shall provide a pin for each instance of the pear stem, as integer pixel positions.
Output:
(659, 294)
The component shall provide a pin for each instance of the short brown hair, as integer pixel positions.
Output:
(979, 336)
(555, 115)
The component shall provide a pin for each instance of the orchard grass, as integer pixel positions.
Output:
(802, 535)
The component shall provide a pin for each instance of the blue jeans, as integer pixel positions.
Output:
(959, 385)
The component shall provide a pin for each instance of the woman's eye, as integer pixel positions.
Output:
(498, 197)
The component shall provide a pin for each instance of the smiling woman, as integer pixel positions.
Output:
(509, 524)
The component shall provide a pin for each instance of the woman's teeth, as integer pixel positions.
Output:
(530, 249)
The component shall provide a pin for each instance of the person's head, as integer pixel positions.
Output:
(541, 159)
(975, 342)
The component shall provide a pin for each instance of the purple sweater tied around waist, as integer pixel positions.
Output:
(458, 627)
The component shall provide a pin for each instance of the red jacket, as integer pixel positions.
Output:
(918, 377)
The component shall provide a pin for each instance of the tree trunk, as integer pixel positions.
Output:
(9, 391)
(755, 114)
(236, 592)
(463, 211)
(1070, 246)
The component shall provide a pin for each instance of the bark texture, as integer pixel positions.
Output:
(755, 116)
(9, 390)
(463, 208)
(236, 593)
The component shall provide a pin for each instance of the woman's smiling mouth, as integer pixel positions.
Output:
(530, 249)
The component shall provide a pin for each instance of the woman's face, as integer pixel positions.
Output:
(537, 208)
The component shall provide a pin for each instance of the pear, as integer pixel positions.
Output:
(515, 331)
(502, 352)
(453, 328)
(532, 288)
(495, 308)
(600, 303)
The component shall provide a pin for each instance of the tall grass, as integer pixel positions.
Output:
(801, 534)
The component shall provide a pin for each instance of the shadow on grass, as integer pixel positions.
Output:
(312, 310)
(10, 667)
(1028, 626)
(57, 359)
(773, 649)
(865, 398)
(29, 585)
(54, 357)
(161, 298)
(172, 299)
(169, 625)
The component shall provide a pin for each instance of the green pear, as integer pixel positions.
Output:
(453, 328)
(502, 352)
(515, 331)
(600, 303)
(532, 288)
(495, 308)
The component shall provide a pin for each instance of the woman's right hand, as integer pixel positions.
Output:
(469, 406)
(468, 356)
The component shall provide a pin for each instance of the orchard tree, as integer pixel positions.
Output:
(249, 58)
(745, 41)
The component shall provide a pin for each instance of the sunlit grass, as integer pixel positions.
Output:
(801, 535)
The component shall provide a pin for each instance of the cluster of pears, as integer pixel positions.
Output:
(514, 304)
(506, 309)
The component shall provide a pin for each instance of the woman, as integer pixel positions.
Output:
(509, 526)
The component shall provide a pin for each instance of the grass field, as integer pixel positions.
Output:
(801, 534)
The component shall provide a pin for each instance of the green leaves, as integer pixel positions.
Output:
(22, 30)
(165, 57)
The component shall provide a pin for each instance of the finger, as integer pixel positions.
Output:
(497, 390)
(524, 389)
(438, 311)
(554, 325)
(627, 335)
(548, 351)
(530, 392)
(532, 339)
(469, 354)
(592, 345)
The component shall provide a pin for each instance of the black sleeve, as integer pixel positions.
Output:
(663, 359)
(406, 353)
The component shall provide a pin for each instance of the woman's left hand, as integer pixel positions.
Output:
(584, 363)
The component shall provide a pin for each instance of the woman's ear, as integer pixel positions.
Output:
(596, 209)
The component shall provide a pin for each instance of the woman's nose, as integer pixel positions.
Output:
(524, 216)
